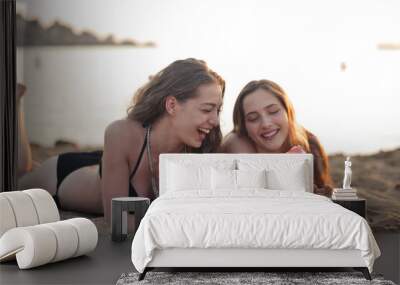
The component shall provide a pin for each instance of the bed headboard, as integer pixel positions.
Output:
(285, 163)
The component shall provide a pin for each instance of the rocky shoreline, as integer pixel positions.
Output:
(376, 177)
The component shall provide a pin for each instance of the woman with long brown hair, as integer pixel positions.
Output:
(176, 111)
(264, 122)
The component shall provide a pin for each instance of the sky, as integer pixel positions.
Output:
(302, 45)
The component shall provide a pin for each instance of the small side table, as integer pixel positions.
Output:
(119, 215)
(358, 206)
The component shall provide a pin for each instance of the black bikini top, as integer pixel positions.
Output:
(132, 191)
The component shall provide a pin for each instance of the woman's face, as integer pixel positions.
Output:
(266, 121)
(196, 117)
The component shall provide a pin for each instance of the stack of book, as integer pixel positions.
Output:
(344, 194)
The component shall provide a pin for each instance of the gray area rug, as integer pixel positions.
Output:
(228, 278)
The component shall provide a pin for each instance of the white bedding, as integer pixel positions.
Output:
(251, 218)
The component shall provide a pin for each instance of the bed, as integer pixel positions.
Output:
(247, 210)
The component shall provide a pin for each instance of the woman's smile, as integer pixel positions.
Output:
(269, 135)
(266, 120)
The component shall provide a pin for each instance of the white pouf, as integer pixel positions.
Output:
(31, 232)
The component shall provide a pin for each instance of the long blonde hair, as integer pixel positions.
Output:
(297, 134)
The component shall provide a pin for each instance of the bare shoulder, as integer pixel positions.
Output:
(233, 143)
(125, 128)
(123, 135)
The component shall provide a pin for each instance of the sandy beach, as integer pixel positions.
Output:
(376, 178)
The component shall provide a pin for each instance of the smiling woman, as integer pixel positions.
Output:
(264, 122)
(176, 111)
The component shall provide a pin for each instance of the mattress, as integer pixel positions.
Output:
(250, 219)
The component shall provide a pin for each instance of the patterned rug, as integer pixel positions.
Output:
(230, 278)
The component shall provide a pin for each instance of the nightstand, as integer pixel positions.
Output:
(120, 207)
(358, 206)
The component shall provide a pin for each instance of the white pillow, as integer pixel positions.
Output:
(293, 179)
(182, 177)
(281, 174)
(226, 179)
(223, 179)
(251, 178)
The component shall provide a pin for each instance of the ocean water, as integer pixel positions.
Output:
(75, 92)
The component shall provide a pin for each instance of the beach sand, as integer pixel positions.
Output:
(376, 178)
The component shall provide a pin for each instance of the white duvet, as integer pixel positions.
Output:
(253, 218)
